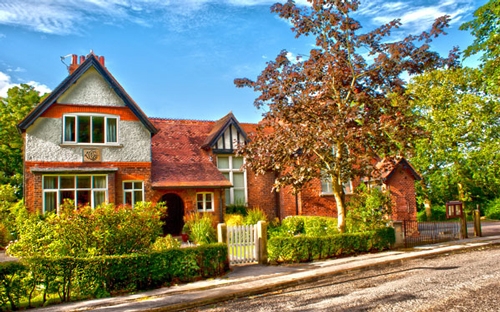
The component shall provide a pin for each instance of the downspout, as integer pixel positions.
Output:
(221, 214)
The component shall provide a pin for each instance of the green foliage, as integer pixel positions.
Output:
(11, 288)
(233, 219)
(459, 158)
(18, 103)
(237, 208)
(106, 230)
(484, 27)
(8, 225)
(200, 228)
(368, 209)
(492, 210)
(313, 226)
(163, 243)
(69, 278)
(438, 213)
(307, 248)
(255, 215)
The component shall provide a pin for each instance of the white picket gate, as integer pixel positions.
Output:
(243, 244)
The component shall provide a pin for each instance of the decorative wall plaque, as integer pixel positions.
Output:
(91, 155)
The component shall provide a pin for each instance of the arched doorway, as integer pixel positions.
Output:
(173, 222)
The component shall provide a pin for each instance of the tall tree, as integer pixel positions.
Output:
(330, 115)
(485, 27)
(459, 159)
(18, 103)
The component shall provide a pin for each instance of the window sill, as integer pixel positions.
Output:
(90, 145)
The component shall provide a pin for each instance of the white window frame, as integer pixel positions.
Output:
(204, 201)
(326, 187)
(58, 190)
(132, 191)
(231, 170)
(106, 118)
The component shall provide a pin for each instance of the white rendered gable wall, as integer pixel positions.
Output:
(91, 89)
(44, 137)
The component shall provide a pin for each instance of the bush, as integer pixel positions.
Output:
(163, 243)
(70, 278)
(368, 209)
(492, 210)
(233, 219)
(305, 225)
(5, 236)
(255, 215)
(106, 230)
(200, 228)
(307, 248)
(237, 208)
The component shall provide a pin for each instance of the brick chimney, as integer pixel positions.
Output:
(77, 61)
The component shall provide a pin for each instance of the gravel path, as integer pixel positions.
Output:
(466, 281)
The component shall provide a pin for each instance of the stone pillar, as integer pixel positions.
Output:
(222, 233)
(262, 236)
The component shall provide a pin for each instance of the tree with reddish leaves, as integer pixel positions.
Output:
(330, 115)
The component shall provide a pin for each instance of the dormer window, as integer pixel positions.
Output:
(90, 129)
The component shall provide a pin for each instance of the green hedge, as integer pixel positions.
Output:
(305, 248)
(69, 278)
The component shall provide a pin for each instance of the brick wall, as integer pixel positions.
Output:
(402, 187)
(260, 194)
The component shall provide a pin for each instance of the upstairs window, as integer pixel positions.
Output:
(90, 129)
(231, 168)
(326, 187)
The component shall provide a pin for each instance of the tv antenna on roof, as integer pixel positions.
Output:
(65, 57)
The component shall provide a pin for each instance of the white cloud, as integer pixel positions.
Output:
(416, 16)
(6, 83)
(69, 16)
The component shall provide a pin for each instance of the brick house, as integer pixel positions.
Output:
(90, 142)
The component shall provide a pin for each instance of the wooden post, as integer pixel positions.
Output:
(477, 223)
(464, 226)
(262, 235)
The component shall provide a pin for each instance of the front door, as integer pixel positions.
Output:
(173, 222)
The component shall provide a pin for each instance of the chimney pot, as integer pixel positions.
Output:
(82, 59)
(101, 60)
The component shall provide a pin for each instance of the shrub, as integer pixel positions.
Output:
(237, 208)
(233, 219)
(307, 248)
(492, 210)
(70, 278)
(305, 225)
(4, 235)
(255, 215)
(367, 209)
(200, 228)
(163, 243)
(106, 230)
(292, 225)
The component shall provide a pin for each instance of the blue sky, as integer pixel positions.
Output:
(178, 58)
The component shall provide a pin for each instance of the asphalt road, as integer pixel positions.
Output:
(464, 281)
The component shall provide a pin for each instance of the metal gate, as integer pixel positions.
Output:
(424, 233)
(243, 244)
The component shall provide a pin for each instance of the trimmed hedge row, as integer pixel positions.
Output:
(82, 278)
(305, 248)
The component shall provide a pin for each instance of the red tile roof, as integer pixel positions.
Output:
(178, 159)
